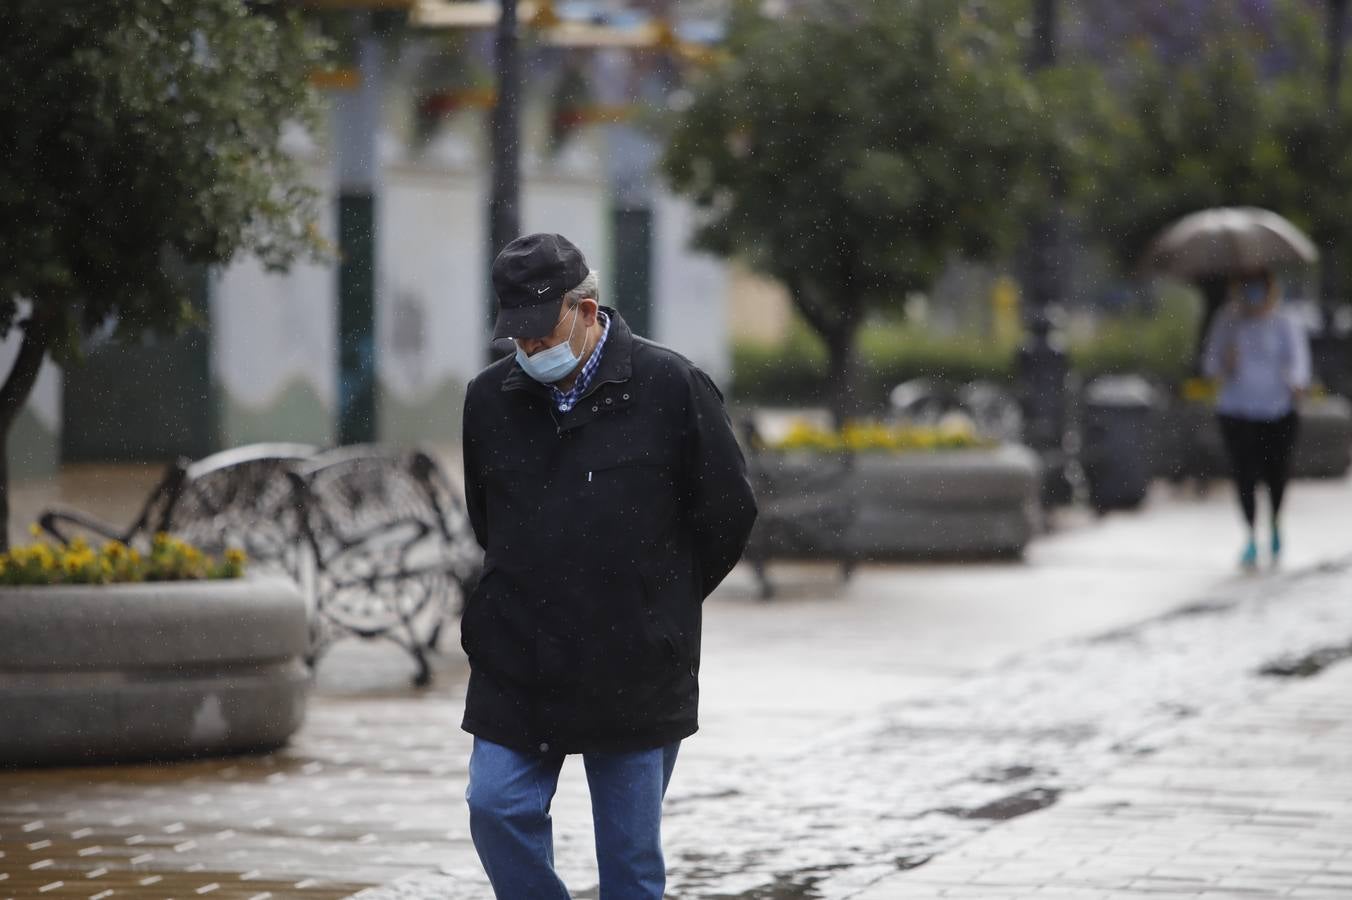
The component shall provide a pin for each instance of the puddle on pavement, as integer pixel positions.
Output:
(1309, 665)
(1005, 774)
(922, 777)
(884, 793)
(1010, 807)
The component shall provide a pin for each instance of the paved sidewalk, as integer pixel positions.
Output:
(1247, 804)
(847, 729)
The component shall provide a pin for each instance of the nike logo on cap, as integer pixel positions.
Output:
(542, 290)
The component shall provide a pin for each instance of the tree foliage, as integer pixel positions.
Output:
(139, 136)
(134, 129)
(1243, 120)
(851, 150)
(1182, 138)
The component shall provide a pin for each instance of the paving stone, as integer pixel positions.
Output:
(825, 763)
(1303, 857)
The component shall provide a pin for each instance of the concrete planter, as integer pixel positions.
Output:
(950, 504)
(111, 673)
(1323, 446)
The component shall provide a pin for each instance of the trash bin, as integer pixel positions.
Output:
(1117, 440)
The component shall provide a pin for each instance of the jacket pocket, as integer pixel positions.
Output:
(494, 628)
(661, 611)
(473, 608)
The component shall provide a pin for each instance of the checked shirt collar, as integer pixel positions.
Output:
(566, 400)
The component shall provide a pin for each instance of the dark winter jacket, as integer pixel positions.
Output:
(604, 528)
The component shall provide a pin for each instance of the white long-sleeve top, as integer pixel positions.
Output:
(1271, 362)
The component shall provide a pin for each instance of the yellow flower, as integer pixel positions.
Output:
(235, 557)
(35, 530)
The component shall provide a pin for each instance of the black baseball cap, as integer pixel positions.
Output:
(530, 277)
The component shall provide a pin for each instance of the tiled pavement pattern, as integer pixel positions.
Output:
(306, 823)
(919, 778)
(1256, 803)
(371, 790)
(846, 731)
(364, 794)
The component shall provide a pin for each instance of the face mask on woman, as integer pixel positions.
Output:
(1253, 293)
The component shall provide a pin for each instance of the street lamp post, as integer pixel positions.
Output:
(504, 217)
(357, 119)
(1336, 32)
(1328, 270)
(1043, 53)
(1041, 363)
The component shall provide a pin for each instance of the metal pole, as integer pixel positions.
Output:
(1042, 365)
(1337, 34)
(504, 220)
(358, 120)
(1043, 52)
(1044, 285)
(1329, 287)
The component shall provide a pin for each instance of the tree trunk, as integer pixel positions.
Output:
(841, 396)
(4, 491)
(13, 394)
(837, 324)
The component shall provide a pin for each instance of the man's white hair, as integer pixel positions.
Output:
(587, 289)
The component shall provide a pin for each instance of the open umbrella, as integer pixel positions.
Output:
(1227, 241)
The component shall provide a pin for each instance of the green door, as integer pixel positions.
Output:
(150, 401)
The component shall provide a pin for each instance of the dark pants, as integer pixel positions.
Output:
(1259, 451)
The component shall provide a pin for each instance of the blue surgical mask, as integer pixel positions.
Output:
(549, 366)
(1254, 293)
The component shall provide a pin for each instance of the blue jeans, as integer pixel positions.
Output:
(509, 795)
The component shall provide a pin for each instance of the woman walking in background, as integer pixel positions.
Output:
(1261, 357)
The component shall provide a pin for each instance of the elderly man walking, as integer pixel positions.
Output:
(604, 482)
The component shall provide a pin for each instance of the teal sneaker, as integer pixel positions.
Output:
(1276, 544)
(1249, 558)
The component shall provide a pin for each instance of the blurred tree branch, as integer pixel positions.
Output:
(134, 133)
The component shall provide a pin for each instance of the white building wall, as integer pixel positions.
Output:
(577, 209)
(690, 291)
(275, 335)
(430, 299)
(274, 341)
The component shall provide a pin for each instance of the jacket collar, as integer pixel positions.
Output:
(616, 361)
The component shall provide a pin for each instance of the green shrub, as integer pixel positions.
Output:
(1161, 344)
(793, 373)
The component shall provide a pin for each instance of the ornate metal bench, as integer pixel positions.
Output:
(377, 539)
(236, 498)
(390, 549)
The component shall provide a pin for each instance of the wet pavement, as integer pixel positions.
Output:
(851, 733)
(1253, 802)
